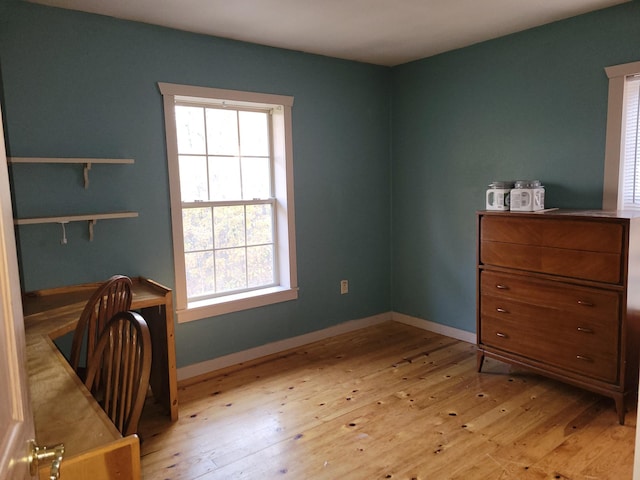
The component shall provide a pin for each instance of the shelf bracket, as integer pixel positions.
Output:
(92, 224)
(64, 233)
(87, 167)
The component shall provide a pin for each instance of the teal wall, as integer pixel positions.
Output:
(390, 163)
(531, 105)
(82, 85)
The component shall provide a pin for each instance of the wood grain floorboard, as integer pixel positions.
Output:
(387, 402)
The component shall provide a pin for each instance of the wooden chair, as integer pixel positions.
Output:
(111, 297)
(118, 372)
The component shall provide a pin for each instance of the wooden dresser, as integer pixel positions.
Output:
(559, 293)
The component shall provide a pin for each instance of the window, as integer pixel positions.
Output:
(630, 155)
(622, 160)
(231, 185)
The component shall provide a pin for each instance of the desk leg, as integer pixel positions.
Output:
(163, 380)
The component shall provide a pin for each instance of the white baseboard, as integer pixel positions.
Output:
(208, 366)
(225, 361)
(434, 327)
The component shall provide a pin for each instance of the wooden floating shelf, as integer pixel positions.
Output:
(75, 218)
(91, 218)
(117, 161)
(87, 162)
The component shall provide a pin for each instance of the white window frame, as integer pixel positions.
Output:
(614, 152)
(284, 216)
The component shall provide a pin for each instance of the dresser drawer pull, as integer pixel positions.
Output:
(501, 310)
(582, 357)
(500, 286)
(584, 303)
(585, 330)
(502, 335)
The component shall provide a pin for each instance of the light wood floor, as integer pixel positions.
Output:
(387, 402)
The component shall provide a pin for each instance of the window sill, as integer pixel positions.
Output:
(235, 303)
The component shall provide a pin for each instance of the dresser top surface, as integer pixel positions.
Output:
(565, 213)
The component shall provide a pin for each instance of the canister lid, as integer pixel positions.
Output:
(501, 184)
(527, 184)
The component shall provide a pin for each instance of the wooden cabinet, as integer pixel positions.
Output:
(558, 292)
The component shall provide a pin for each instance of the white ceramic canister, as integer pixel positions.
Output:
(498, 195)
(527, 196)
(538, 198)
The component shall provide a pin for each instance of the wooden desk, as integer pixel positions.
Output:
(64, 410)
(55, 312)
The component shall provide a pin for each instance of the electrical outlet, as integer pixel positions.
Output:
(344, 287)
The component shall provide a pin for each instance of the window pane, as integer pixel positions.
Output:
(200, 273)
(259, 224)
(190, 130)
(260, 265)
(193, 178)
(231, 269)
(222, 132)
(254, 134)
(197, 229)
(228, 224)
(224, 178)
(256, 180)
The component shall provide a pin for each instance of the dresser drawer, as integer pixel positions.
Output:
(571, 300)
(591, 334)
(543, 340)
(576, 249)
(587, 236)
(598, 267)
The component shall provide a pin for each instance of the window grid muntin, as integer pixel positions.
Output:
(212, 204)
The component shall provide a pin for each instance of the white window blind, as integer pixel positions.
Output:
(630, 180)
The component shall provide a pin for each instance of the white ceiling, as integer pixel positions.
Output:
(383, 32)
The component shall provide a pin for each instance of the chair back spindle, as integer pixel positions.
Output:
(111, 297)
(118, 372)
